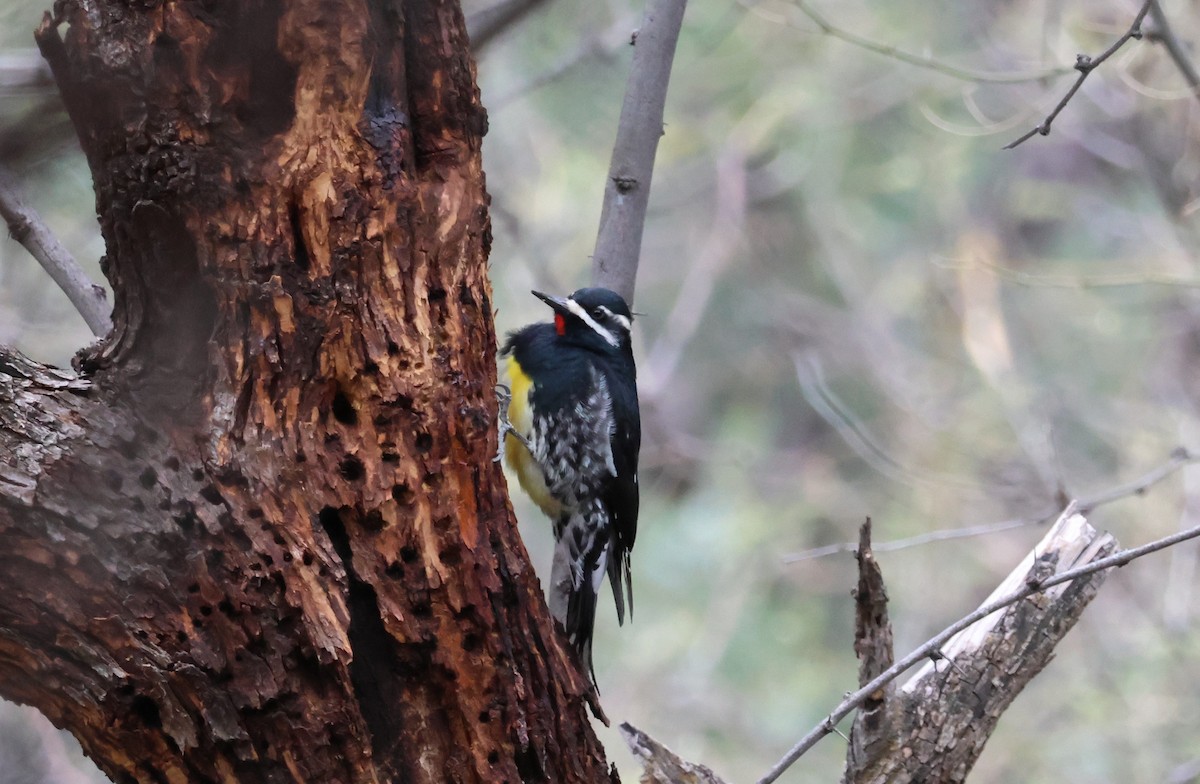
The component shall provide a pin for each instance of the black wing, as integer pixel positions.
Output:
(620, 494)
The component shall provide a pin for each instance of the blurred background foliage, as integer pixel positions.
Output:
(854, 303)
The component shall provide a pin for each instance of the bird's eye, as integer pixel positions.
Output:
(600, 314)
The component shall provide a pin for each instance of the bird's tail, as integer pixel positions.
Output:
(580, 562)
(620, 577)
(581, 622)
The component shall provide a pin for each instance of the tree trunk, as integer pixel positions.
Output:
(261, 537)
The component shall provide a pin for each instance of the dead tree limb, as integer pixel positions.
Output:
(627, 190)
(934, 727)
(27, 227)
(873, 646)
(1086, 555)
(660, 765)
(940, 719)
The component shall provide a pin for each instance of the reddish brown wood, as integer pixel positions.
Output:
(261, 537)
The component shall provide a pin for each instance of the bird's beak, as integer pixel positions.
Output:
(558, 303)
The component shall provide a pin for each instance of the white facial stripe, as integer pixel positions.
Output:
(617, 317)
(586, 318)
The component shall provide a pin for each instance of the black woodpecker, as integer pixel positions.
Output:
(574, 441)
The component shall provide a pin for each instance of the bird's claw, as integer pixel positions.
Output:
(504, 398)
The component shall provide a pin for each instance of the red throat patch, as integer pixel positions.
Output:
(560, 324)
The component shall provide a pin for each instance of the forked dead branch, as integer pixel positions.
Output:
(934, 726)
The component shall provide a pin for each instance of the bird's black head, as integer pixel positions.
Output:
(592, 317)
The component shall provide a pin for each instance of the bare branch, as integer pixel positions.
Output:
(934, 644)
(872, 629)
(896, 53)
(987, 665)
(1085, 65)
(1164, 33)
(935, 726)
(28, 228)
(627, 191)
(940, 535)
(1179, 458)
(660, 764)
(873, 646)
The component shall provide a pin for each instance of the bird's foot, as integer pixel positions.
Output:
(504, 398)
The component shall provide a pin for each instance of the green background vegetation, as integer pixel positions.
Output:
(831, 230)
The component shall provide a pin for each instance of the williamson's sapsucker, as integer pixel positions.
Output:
(576, 433)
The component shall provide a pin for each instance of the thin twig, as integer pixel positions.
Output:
(28, 228)
(1163, 32)
(939, 535)
(896, 53)
(1085, 65)
(854, 700)
(1179, 458)
(627, 191)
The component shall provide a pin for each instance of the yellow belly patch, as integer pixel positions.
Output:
(520, 414)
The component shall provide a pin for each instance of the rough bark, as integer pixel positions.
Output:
(873, 646)
(660, 765)
(260, 536)
(934, 727)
